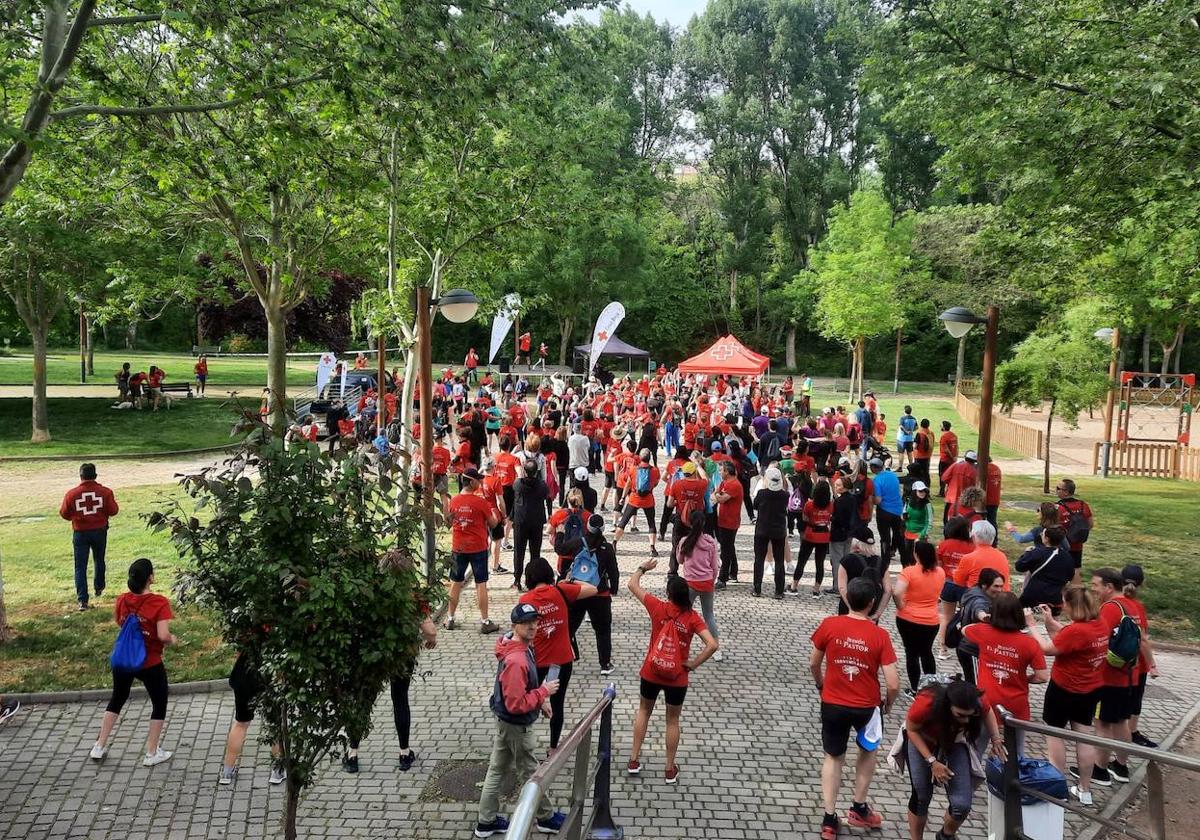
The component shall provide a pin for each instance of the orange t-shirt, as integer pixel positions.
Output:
(921, 596)
(983, 557)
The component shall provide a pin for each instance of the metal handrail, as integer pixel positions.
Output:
(1014, 790)
(578, 743)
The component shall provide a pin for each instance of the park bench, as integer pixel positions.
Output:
(197, 350)
(177, 388)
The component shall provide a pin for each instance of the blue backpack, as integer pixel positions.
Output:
(129, 650)
(585, 569)
(643, 481)
(1035, 773)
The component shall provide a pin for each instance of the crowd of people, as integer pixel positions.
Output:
(533, 471)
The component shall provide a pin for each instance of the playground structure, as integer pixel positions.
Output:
(1153, 428)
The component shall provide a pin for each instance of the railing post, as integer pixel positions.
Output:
(1154, 790)
(603, 827)
(583, 761)
(1014, 825)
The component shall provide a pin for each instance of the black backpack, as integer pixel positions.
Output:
(1077, 525)
(569, 538)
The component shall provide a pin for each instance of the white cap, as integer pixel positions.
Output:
(581, 474)
(919, 485)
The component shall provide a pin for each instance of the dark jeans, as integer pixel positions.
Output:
(556, 700)
(525, 534)
(401, 713)
(942, 467)
(599, 608)
(777, 545)
(95, 541)
(729, 566)
(747, 499)
(562, 488)
(891, 532)
(678, 533)
(918, 649)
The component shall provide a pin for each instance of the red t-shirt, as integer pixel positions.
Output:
(729, 514)
(151, 608)
(855, 649)
(1068, 506)
(947, 446)
(951, 552)
(156, 378)
(468, 523)
(958, 476)
(505, 468)
(1081, 648)
(492, 489)
(992, 486)
(516, 415)
(631, 480)
(552, 644)
(1110, 617)
(623, 464)
(1004, 659)
(687, 624)
(688, 494)
(441, 460)
(920, 718)
(464, 457)
(816, 522)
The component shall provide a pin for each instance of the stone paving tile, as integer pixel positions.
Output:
(750, 755)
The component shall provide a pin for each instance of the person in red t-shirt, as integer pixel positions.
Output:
(958, 477)
(1122, 688)
(687, 623)
(153, 612)
(729, 497)
(1070, 507)
(1079, 650)
(642, 475)
(853, 649)
(492, 489)
(950, 552)
(817, 516)
(470, 517)
(1006, 657)
(947, 454)
(154, 381)
(686, 494)
(88, 506)
(552, 646)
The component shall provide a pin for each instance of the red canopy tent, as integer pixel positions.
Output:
(726, 355)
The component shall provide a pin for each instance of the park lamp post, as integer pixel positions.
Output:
(959, 321)
(457, 306)
(1111, 334)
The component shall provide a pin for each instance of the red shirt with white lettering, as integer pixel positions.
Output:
(950, 553)
(855, 649)
(1081, 649)
(687, 624)
(552, 644)
(1005, 656)
(468, 523)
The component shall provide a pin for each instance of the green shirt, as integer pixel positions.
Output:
(916, 520)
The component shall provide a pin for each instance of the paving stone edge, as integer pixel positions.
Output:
(90, 695)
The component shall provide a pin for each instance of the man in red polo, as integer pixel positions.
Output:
(88, 506)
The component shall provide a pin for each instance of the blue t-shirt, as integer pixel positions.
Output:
(908, 429)
(782, 427)
(887, 488)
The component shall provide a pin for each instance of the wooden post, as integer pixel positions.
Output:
(424, 365)
(1113, 385)
(983, 451)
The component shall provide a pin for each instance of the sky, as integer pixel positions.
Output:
(676, 12)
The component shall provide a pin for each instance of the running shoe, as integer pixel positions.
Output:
(653, 551)
(816, 594)
(1119, 771)
(8, 710)
(1100, 776)
(278, 774)
(350, 763)
(500, 570)
(228, 776)
(451, 623)
(407, 760)
(1142, 741)
(1084, 796)
(719, 656)
(157, 757)
(488, 626)
(633, 767)
(672, 775)
(496, 826)
(552, 824)
(944, 653)
(606, 669)
(829, 830)
(868, 820)
(98, 753)
(721, 584)
(829, 590)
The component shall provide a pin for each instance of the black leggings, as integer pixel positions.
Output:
(777, 546)
(153, 678)
(599, 607)
(556, 700)
(631, 512)
(525, 534)
(400, 711)
(806, 550)
(918, 649)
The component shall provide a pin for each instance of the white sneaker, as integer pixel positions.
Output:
(157, 757)
(1084, 796)
(98, 753)
(720, 657)
(278, 775)
(228, 776)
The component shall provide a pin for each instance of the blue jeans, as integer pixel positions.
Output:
(95, 541)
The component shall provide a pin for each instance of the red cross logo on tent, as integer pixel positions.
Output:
(88, 503)
(722, 352)
(602, 336)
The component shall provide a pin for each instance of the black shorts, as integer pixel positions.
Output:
(1077, 556)
(904, 446)
(610, 480)
(1116, 703)
(1135, 700)
(498, 531)
(1062, 707)
(246, 685)
(508, 502)
(674, 693)
(952, 593)
(836, 722)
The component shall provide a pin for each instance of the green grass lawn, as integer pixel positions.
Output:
(87, 426)
(224, 374)
(58, 647)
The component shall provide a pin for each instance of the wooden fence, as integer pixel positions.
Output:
(1149, 460)
(1008, 433)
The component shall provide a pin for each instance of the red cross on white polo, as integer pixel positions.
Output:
(722, 352)
(88, 503)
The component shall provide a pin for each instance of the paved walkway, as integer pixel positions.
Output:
(750, 755)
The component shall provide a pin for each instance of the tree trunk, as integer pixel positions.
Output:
(277, 365)
(1146, 351)
(200, 336)
(733, 283)
(1179, 351)
(90, 322)
(1046, 448)
(896, 373)
(565, 326)
(131, 335)
(790, 348)
(1169, 349)
(6, 632)
(41, 417)
(961, 362)
(290, 807)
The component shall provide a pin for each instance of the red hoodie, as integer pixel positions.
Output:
(517, 680)
(88, 506)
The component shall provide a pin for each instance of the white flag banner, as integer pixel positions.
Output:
(502, 323)
(606, 327)
(325, 366)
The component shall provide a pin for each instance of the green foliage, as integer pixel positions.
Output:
(1071, 372)
(310, 573)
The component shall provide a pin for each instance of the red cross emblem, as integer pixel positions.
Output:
(722, 352)
(88, 503)
(602, 336)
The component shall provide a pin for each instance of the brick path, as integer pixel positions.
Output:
(750, 755)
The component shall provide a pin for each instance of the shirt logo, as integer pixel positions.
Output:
(89, 503)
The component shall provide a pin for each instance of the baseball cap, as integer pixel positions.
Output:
(1133, 574)
(581, 474)
(716, 446)
(774, 479)
(863, 534)
(920, 485)
(473, 474)
(876, 463)
(971, 456)
(689, 468)
(595, 523)
(523, 614)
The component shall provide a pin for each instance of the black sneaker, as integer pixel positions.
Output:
(1119, 771)
(496, 826)
(407, 760)
(1100, 776)
(1142, 741)
(350, 763)
(653, 551)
